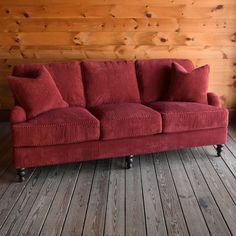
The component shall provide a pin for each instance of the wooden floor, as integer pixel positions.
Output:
(187, 192)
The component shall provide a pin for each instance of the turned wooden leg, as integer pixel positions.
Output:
(219, 149)
(21, 173)
(129, 161)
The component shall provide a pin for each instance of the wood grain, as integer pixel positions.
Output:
(35, 218)
(221, 195)
(152, 202)
(223, 170)
(187, 198)
(208, 206)
(135, 216)
(58, 211)
(95, 217)
(75, 218)
(175, 221)
(22, 207)
(115, 214)
(59, 30)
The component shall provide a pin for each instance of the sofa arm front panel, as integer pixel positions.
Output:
(213, 99)
(18, 115)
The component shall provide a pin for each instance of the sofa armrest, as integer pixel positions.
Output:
(18, 115)
(213, 99)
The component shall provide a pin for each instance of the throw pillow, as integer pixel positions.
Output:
(188, 86)
(36, 94)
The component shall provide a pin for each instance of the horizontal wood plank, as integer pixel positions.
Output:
(59, 30)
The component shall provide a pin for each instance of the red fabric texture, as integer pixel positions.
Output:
(154, 77)
(17, 115)
(188, 116)
(127, 120)
(188, 86)
(36, 94)
(61, 126)
(213, 99)
(110, 82)
(51, 155)
(67, 77)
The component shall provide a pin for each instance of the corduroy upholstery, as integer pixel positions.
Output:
(61, 126)
(189, 86)
(67, 77)
(189, 116)
(154, 77)
(106, 118)
(66, 153)
(127, 120)
(213, 99)
(110, 82)
(37, 93)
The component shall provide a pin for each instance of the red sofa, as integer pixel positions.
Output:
(116, 108)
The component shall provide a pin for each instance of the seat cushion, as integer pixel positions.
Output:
(189, 116)
(62, 126)
(127, 120)
(154, 77)
(110, 82)
(67, 77)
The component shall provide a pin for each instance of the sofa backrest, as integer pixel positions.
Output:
(154, 77)
(92, 83)
(67, 77)
(110, 82)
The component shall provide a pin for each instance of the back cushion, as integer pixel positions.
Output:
(110, 82)
(154, 77)
(67, 77)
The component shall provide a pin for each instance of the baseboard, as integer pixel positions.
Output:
(4, 115)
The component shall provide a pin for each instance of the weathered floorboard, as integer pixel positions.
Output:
(73, 224)
(152, 203)
(186, 195)
(39, 210)
(174, 216)
(95, 217)
(115, 215)
(207, 204)
(135, 216)
(220, 193)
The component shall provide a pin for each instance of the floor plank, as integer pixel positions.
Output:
(220, 193)
(39, 210)
(222, 170)
(174, 217)
(115, 215)
(21, 209)
(153, 208)
(55, 218)
(10, 196)
(77, 210)
(95, 217)
(135, 216)
(208, 206)
(186, 195)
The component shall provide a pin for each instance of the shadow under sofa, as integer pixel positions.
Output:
(109, 122)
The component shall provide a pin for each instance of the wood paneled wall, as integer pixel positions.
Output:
(59, 30)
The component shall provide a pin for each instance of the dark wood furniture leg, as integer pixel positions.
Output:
(129, 161)
(21, 173)
(219, 149)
